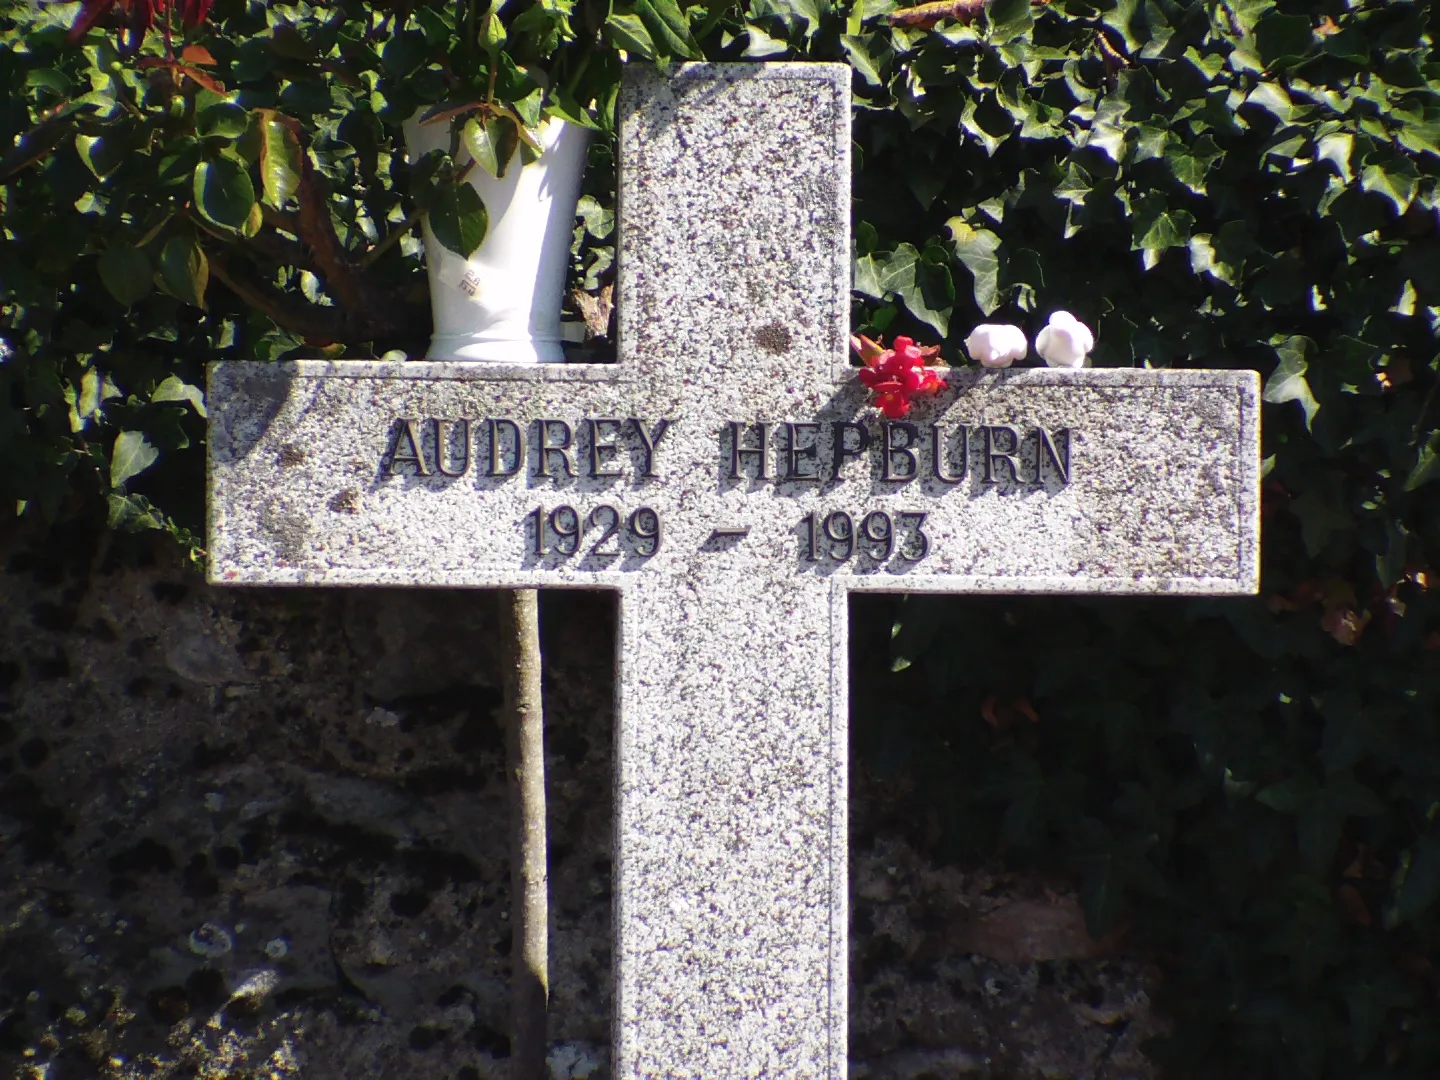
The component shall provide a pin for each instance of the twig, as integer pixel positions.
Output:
(525, 767)
(285, 252)
(280, 220)
(317, 232)
(391, 238)
(311, 322)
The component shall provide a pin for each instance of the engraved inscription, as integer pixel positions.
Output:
(563, 530)
(897, 451)
(498, 447)
(783, 455)
(877, 537)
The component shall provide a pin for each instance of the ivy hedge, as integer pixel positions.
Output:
(1245, 790)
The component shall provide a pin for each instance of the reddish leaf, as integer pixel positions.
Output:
(193, 12)
(209, 82)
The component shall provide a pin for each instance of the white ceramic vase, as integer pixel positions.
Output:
(502, 304)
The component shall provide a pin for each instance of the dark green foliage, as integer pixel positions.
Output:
(240, 191)
(1246, 790)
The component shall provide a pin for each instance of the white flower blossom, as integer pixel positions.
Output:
(1065, 342)
(996, 345)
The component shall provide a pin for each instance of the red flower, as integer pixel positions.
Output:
(894, 406)
(930, 382)
(897, 375)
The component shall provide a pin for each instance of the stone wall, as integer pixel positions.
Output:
(262, 834)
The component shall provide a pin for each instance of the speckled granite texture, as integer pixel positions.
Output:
(730, 862)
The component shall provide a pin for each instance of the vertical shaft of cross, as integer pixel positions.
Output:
(730, 798)
(730, 910)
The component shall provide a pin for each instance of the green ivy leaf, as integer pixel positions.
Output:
(1337, 148)
(173, 388)
(96, 388)
(976, 249)
(1191, 162)
(628, 32)
(1427, 467)
(459, 220)
(1419, 888)
(131, 455)
(919, 284)
(857, 48)
(1287, 382)
(1320, 812)
(184, 270)
(1074, 186)
(1395, 179)
(1205, 260)
(760, 45)
(599, 220)
(866, 276)
(1283, 38)
(133, 513)
(1157, 227)
(126, 273)
(1009, 19)
(1274, 99)
(668, 29)
(224, 194)
(1322, 513)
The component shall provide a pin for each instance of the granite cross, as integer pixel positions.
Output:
(729, 479)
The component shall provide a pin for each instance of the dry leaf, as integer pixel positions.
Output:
(595, 310)
(925, 16)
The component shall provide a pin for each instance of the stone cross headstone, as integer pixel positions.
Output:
(730, 480)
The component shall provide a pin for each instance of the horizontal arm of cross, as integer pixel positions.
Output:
(470, 475)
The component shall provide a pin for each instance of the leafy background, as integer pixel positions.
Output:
(1246, 791)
